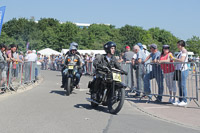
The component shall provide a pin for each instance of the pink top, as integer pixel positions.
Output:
(167, 68)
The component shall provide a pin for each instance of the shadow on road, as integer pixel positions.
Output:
(62, 93)
(137, 100)
(89, 107)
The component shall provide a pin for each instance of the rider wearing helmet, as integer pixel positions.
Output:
(72, 53)
(75, 45)
(108, 59)
(105, 61)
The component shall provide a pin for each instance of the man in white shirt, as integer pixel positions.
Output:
(31, 56)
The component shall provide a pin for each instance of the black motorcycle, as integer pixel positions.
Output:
(111, 91)
(70, 77)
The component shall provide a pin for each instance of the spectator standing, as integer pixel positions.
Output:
(14, 56)
(45, 62)
(121, 57)
(3, 65)
(146, 52)
(168, 70)
(83, 63)
(140, 70)
(34, 55)
(87, 59)
(155, 73)
(128, 55)
(182, 57)
(21, 57)
(30, 57)
(42, 61)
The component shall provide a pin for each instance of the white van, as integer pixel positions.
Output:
(190, 54)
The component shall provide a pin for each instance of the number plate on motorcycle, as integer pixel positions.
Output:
(70, 67)
(117, 77)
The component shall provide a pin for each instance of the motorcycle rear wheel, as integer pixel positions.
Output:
(116, 101)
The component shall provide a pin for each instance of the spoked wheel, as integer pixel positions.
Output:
(68, 86)
(116, 100)
(93, 96)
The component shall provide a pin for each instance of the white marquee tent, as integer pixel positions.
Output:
(48, 52)
(85, 51)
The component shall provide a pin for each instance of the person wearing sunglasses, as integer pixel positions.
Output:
(168, 71)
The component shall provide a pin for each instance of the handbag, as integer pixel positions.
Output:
(2, 66)
(177, 75)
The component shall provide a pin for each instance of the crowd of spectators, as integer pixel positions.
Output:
(139, 57)
(55, 62)
(159, 66)
(8, 55)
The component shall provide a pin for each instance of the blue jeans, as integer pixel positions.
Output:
(182, 86)
(64, 76)
(78, 76)
(36, 71)
(140, 78)
(158, 75)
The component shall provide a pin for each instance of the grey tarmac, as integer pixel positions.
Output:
(46, 109)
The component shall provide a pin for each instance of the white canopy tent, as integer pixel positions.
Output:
(48, 52)
(85, 51)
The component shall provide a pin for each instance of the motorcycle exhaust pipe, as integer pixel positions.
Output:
(91, 100)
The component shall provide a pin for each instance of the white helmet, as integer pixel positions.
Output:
(144, 47)
(72, 48)
(74, 44)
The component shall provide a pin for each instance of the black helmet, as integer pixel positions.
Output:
(108, 45)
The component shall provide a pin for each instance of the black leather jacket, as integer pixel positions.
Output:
(101, 61)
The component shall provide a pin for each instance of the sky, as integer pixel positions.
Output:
(180, 17)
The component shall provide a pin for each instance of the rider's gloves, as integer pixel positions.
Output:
(124, 72)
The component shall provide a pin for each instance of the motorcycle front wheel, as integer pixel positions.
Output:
(93, 97)
(116, 100)
(68, 87)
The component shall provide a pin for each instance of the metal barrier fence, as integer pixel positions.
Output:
(150, 80)
(13, 75)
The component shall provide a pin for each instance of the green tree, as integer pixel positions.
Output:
(67, 34)
(50, 39)
(5, 39)
(162, 37)
(134, 34)
(44, 23)
(19, 28)
(193, 44)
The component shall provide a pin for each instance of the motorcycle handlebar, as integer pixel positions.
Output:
(120, 71)
(106, 69)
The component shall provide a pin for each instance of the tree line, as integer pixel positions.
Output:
(49, 32)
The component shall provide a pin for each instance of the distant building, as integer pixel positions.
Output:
(81, 25)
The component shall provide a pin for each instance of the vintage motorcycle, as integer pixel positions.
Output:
(111, 91)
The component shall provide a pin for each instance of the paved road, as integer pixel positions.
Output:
(45, 109)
